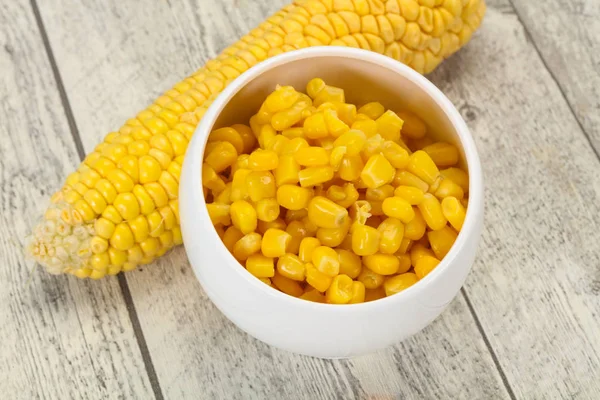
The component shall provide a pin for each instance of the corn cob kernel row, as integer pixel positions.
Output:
(119, 209)
(332, 203)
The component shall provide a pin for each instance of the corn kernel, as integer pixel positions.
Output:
(425, 265)
(246, 246)
(260, 185)
(293, 197)
(275, 242)
(379, 194)
(448, 188)
(333, 237)
(329, 94)
(307, 247)
(297, 231)
(228, 135)
(239, 190)
(395, 154)
(219, 213)
(312, 157)
(287, 170)
(315, 126)
(267, 210)
(405, 245)
(411, 194)
(370, 279)
(325, 213)
(351, 168)
(243, 216)
(290, 266)
(458, 176)
(399, 208)
(405, 263)
(326, 260)
(281, 99)
(441, 241)
(377, 172)
(316, 279)
(389, 125)
(313, 176)
(399, 283)
(365, 240)
(335, 125)
(263, 160)
(372, 110)
(454, 212)
(405, 178)
(260, 266)
(418, 251)
(293, 133)
(374, 294)
(277, 224)
(421, 165)
(383, 264)
(247, 136)
(295, 215)
(443, 154)
(287, 285)
(391, 233)
(413, 127)
(358, 293)
(353, 140)
(231, 236)
(210, 179)
(340, 291)
(313, 295)
(222, 156)
(431, 210)
(346, 112)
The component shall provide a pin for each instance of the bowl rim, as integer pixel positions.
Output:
(474, 210)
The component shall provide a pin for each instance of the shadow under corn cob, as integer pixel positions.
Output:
(120, 208)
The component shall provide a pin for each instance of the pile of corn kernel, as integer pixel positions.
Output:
(330, 203)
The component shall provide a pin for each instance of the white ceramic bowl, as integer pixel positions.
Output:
(325, 330)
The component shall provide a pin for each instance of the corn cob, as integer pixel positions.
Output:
(120, 208)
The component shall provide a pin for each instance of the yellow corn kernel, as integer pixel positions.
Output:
(372, 147)
(447, 188)
(225, 196)
(241, 163)
(431, 210)
(231, 236)
(353, 140)
(313, 295)
(290, 266)
(406, 244)
(370, 279)
(358, 293)
(405, 178)
(350, 263)
(278, 144)
(419, 144)
(367, 126)
(307, 247)
(414, 127)
(263, 160)
(228, 135)
(293, 197)
(418, 251)
(377, 172)
(220, 229)
(316, 279)
(275, 242)
(421, 165)
(329, 94)
(260, 185)
(277, 224)
(297, 231)
(389, 125)
(243, 216)
(379, 194)
(399, 208)
(149, 171)
(314, 87)
(282, 98)
(405, 263)
(345, 196)
(391, 233)
(219, 213)
(441, 241)
(104, 228)
(336, 156)
(287, 285)
(122, 237)
(333, 237)
(351, 168)
(287, 170)
(365, 240)
(454, 212)
(326, 261)
(458, 176)
(325, 213)
(313, 176)
(312, 157)
(374, 294)
(267, 210)
(346, 112)
(295, 215)
(247, 137)
(266, 281)
(210, 179)
(260, 266)
(359, 212)
(382, 264)
(372, 110)
(335, 125)
(293, 133)
(399, 283)
(415, 229)
(266, 134)
(222, 156)
(395, 154)
(315, 126)
(443, 154)
(411, 194)
(425, 265)
(111, 214)
(239, 190)
(340, 291)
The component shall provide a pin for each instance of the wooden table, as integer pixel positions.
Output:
(526, 325)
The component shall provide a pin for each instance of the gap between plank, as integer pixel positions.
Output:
(505, 381)
(560, 88)
(127, 298)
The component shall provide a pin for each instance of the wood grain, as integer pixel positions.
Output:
(61, 338)
(195, 350)
(536, 284)
(568, 40)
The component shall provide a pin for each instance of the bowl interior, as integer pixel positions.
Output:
(362, 80)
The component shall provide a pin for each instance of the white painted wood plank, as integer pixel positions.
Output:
(195, 350)
(61, 338)
(568, 38)
(536, 285)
